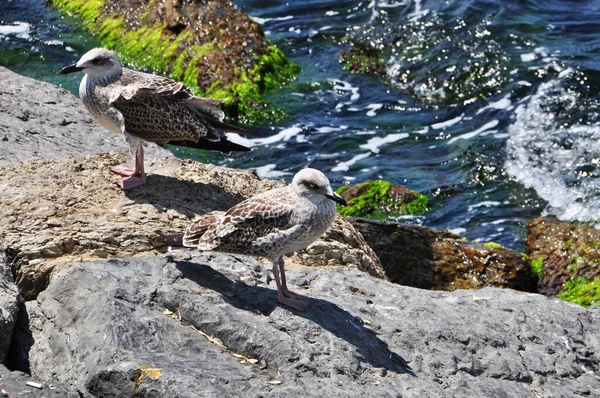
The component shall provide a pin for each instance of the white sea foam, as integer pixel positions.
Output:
(20, 29)
(329, 129)
(485, 203)
(447, 123)
(372, 108)
(504, 103)
(261, 21)
(375, 143)
(345, 166)
(489, 125)
(539, 158)
(269, 171)
(284, 135)
(528, 57)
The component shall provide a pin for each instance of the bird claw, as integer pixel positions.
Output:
(123, 171)
(131, 182)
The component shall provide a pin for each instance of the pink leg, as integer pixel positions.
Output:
(132, 178)
(283, 299)
(284, 288)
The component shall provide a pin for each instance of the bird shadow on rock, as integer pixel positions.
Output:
(184, 196)
(327, 315)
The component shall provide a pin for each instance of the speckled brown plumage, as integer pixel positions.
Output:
(271, 224)
(147, 107)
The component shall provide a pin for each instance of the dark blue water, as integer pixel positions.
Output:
(489, 107)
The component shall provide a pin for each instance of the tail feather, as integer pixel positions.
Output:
(223, 145)
(192, 236)
(222, 126)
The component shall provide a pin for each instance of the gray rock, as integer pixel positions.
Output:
(15, 384)
(9, 301)
(214, 328)
(40, 120)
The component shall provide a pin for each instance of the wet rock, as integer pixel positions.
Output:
(211, 324)
(211, 46)
(9, 301)
(380, 199)
(80, 137)
(431, 258)
(566, 256)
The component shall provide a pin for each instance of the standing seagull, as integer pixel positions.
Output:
(147, 107)
(271, 224)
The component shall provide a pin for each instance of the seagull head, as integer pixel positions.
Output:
(96, 62)
(314, 185)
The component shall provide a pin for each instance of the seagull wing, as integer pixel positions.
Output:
(246, 226)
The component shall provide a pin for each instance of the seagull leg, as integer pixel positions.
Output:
(283, 299)
(132, 178)
(287, 292)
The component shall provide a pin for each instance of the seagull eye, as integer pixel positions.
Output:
(310, 185)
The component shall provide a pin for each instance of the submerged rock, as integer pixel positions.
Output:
(566, 257)
(431, 258)
(210, 324)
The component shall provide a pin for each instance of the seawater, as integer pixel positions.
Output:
(489, 107)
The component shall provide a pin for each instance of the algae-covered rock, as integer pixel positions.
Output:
(381, 200)
(567, 258)
(361, 58)
(431, 258)
(214, 48)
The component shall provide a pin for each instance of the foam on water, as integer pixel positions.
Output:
(269, 171)
(503, 103)
(20, 29)
(345, 166)
(560, 162)
(375, 143)
(447, 123)
(284, 135)
(489, 125)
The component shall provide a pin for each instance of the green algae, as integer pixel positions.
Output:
(537, 265)
(376, 199)
(493, 245)
(582, 291)
(149, 47)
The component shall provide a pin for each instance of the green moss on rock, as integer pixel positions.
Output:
(381, 200)
(537, 265)
(217, 51)
(582, 291)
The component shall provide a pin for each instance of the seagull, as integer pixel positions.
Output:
(146, 107)
(271, 224)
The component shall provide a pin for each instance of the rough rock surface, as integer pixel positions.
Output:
(209, 326)
(14, 384)
(57, 211)
(9, 301)
(431, 258)
(40, 120)
(568, 251)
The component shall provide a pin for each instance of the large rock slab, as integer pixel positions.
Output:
(9, 304)
(212, 326)
(57, 211)
(40, 120)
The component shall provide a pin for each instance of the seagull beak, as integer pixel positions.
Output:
(337, 198)
(70, 69)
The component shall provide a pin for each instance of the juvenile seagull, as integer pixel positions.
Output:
(147, 107)
(271, 224)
